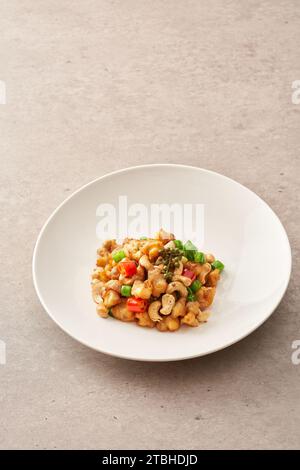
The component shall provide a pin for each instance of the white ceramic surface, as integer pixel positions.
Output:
(240, 229)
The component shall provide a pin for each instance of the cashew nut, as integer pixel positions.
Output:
(205, 269)
(193, 307)
(170, 245)
(190, 319)
(205, 296)
(179, 308)
(153, 253)
(142, 289)
(159, 283)
(97, 273)
(111, 297)
(102, 310)
(203, 316)
(102, 261)
(201, 270)
(136, 256)
(152, 248)
(177, 286)
(172, 323)
(140, 273)
(128, 281)
(209, 258)
(96, 284)
(163, 235)
(121, 312)
(168, 302)
(100, 274)
(161, 325)
(168, 324)
(143, 319)
(114, 285)
(213, 278)
(97, 290)
(153, 311)
(108, 246)
(155, 271)
(144, 261)
(184, 279)
(130, 247)
(114, 274)
(192, 313)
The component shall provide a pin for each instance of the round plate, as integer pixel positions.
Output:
(237, 226)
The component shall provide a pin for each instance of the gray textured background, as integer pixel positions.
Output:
(94, 86)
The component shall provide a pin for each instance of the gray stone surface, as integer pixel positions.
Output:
(94, 86)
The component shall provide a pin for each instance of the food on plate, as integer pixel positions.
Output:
(157, 282)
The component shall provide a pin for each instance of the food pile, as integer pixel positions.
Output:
(157, 282)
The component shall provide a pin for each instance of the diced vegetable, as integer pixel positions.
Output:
(189, 250)
(143, 238)
(218, 265)
(195, 286)
(178, 244)
(189, 246)
(135, 304)
(128, 268)
(126, 291)
(119, 255)
(191, 296)
(190, 274)
(199, 257)
(189, 255)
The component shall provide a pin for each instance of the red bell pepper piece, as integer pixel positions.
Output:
(128, 268)
(190, 274)
(135, 304)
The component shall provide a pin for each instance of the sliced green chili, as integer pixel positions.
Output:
(119, 255)
(199, 257)
(178, 244)
(218, 265)
(191, 296)
(126, 291)
(189, 250)
(195, 286)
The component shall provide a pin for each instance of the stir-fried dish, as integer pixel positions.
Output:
(157, 282)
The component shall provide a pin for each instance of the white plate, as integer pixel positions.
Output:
(239, 228)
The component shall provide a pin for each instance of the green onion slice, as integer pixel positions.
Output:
(218, 265)
(126, 291)
(119, 255)
(199, 257)
(195, 286)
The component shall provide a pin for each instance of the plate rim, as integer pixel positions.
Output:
(170, 359)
